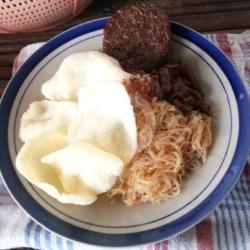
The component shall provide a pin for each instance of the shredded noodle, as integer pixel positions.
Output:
(170, 145)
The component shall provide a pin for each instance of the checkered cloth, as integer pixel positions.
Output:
(228, 227)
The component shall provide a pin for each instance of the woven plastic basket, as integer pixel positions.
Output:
(37, 15)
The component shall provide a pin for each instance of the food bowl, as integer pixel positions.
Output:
(105, 224)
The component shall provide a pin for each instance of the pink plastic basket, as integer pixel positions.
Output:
(37, 15)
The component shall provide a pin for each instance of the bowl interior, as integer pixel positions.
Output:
(118, 218)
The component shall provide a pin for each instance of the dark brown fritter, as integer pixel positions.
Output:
(137, 36)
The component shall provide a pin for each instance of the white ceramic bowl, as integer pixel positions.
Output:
(119, 225)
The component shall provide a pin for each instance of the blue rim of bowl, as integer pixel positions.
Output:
(43, 217)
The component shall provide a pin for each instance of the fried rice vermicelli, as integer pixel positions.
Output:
(170, 145)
